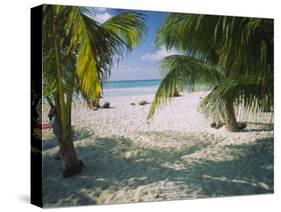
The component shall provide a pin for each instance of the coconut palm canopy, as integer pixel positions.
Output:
(78, 53)
(93, 47)
(233, 55)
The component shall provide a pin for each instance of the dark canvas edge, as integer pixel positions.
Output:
(36, 87)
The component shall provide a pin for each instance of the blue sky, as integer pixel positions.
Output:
(142, 62)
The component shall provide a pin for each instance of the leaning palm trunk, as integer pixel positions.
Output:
(229, 117)
(71, 165)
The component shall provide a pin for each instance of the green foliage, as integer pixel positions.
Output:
(244, 92)
(240, 49)
(128, 26)
(87, 48)
(182, 72)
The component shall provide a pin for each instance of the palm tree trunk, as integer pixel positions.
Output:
(71, 165)
(69, 96)
(230, 119)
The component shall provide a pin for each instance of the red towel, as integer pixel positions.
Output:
(43, 126)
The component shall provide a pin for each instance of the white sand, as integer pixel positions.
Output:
(176, 155)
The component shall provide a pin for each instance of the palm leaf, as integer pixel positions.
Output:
(244, 92)
(100, 46)
(183, 72)
(128, 26)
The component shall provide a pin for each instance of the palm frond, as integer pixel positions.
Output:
(244, 92)
(240, 45)
(99, 46)
(183, 72)
(191, 34)
(129, 26)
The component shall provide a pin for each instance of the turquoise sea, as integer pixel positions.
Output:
(130, 87)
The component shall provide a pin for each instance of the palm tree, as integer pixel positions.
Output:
(232, 55)
(78, 53)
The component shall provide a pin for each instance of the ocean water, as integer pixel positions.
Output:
(130, 87)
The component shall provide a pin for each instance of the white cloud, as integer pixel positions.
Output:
(158, 55)
(102, 17)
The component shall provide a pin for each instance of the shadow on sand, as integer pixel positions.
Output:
(258, 127)
(251, 172)
(78, 135)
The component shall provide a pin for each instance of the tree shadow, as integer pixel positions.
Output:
(249, 172)
(258, 127)
(79, 134)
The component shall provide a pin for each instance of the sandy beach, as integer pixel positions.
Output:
(175, 155)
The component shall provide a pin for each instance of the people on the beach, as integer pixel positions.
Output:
(143, 102)
(95, 105)
(106, 105)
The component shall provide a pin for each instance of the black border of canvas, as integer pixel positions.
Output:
(36, 86)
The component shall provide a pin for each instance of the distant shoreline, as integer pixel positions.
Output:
(136, 87)
(130, 87)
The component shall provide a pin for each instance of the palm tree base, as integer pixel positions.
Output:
(231, 128)
(230, 118)
(70, 172)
